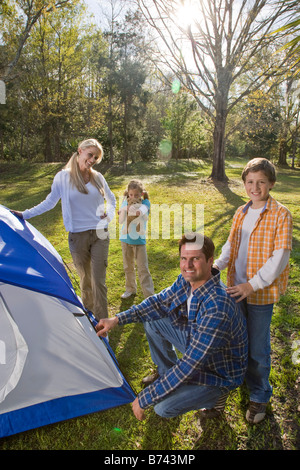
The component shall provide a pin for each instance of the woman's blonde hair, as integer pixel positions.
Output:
(75, 173)
(136, 184)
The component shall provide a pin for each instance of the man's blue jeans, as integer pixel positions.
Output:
(259, 362)
(162, 337)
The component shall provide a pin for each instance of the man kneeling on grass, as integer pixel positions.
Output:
(196, 316)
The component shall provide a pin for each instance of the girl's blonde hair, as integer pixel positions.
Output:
(75, 173)
(136, 184)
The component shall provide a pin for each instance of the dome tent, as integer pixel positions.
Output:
(53, 366)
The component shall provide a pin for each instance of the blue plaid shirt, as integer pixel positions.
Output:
(217, 347)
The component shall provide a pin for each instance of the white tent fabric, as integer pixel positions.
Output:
(60, 360)
(13, 352)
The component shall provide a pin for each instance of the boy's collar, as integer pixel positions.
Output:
(266, 206)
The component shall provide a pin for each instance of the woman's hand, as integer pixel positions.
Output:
(17, 213)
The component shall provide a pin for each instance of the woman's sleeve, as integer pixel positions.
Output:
(48, 203)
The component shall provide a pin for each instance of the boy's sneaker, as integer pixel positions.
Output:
(127, 294)
(256, 412)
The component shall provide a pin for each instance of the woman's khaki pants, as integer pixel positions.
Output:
(138, 253)
(89, 251)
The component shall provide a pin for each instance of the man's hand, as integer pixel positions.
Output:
(106, 324)
(241, 290)
(139, 413)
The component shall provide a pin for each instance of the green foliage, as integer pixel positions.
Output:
(47, 105)
(262, 125)
(182, 182)
(185, 127)
(292, 28)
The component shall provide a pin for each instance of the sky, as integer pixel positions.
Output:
(94, 7)
(97, 7)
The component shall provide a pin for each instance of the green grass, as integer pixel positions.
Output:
(24, 185)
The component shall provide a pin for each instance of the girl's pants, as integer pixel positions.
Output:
(90, 255)
(259, 362)
(138, 253)
(163, 337)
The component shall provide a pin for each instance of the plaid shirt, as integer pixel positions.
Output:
(272, 231)
(216, 348)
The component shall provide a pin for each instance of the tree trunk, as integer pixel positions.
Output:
(282, 152)
(110, 129)
(283, 146)
(125, 147)
(48, 155)
(1, 144)
(219, 139)
(295, 138)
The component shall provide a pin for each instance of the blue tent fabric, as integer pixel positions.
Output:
(71, 370)
(62, 409)
(27, 259)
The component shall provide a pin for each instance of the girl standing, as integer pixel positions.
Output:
(133, 215)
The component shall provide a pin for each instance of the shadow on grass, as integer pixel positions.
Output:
(231, 431)
(220, 224)
(215, 434)
(26, 179)
(224, 188)
(31, 183)
(220, 434)
(159, 430)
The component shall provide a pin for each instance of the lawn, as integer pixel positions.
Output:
(182, 186)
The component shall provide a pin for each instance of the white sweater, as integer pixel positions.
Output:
(60, 189)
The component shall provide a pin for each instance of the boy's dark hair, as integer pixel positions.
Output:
(206, 244)
(260, 164)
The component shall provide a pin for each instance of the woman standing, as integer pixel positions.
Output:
(88, 205)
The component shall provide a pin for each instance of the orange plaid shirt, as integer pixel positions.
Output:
(272, 231)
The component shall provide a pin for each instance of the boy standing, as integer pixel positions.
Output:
(257, 253)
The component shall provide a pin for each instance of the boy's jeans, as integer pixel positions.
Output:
(161, 335)
(259, 362)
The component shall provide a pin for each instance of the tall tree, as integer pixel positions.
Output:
(48, 103)
(214, 48)
(112, 11)
(125, 75)
(24, 14)
(289, 119)
(291, 32)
